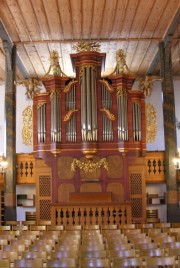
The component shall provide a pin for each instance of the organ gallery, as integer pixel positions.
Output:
(89, 141)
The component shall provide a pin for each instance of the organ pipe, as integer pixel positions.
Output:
(136, 122)
(71, 124)
(42, 122)
(55, 117)
(107, 124)
(122, 115)
(88, 103)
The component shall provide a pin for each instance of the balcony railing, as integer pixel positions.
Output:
(154, 167)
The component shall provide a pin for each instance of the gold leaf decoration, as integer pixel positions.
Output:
(68, 116)
(69, 85)
(107, 85)
(151, 123)
(87, 46)
(109, 115)
(27, 129)
(89, 166)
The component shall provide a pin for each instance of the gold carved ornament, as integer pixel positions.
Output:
(83, 67)
(40, 104)
(55, 91)
(32, 85)
(87, 46)
(107, 85)
(55, 68)
(89, 167)
(69, 114)
(109, 115)
(69, 85)
(121, 91)
(121, 66)
(151, 123)
(27, 128)
(146, 83)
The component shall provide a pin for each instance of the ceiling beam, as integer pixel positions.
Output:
(169, 34)
(90, 40)
(5, 37)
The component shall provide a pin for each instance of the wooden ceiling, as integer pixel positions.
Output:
(37, 27)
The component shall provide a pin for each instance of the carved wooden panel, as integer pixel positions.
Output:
(64, 191)
(115, 169)
(117, 191)
(43, 191)
(137, 191)
(90, 187)
(64, 168)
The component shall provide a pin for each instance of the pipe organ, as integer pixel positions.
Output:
(92, 121)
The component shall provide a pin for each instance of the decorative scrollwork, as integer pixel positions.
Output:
(54, 68)
(69, 114)
(151, 124)
(32, 85)
(121, 66)
(109, 115)
(87, 46)
(121, 91)
(108, 86)
(27, 129)
(89, 167)
(69, 85)
(146, 83)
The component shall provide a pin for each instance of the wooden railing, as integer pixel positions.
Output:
(82, 214)
(25, 169)
(154, 167)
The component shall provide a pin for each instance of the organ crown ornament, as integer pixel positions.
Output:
(87, 46)
(121, 66)
(55, 68)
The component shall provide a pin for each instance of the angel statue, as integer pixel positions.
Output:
(146, 83)
(121, 66)
(32, 86)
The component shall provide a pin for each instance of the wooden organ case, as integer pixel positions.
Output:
(90, 143)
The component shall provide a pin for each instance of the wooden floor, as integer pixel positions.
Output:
(26, 244)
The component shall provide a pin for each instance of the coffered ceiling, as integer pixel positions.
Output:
(37, 27)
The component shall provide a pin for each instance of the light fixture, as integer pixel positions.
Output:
(3, 163)
(176, 161)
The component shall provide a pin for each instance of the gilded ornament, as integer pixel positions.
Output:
(69, 85)
(27, 129)
(55, 91)
(107, 85)
(83, 67)
(121, 91)
(109, 115)
(40, 104)
(121, 66)
(89, 166)
(151, 123)
(87, 46)
(69, 114)
(146, 84)
(55, 68)
(32, 86)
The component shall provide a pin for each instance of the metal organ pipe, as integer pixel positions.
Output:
(42, 123)
(88, 104)
(122, 116)
(107, 124)
(136, 122)
(71, 124)
(55, 117)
